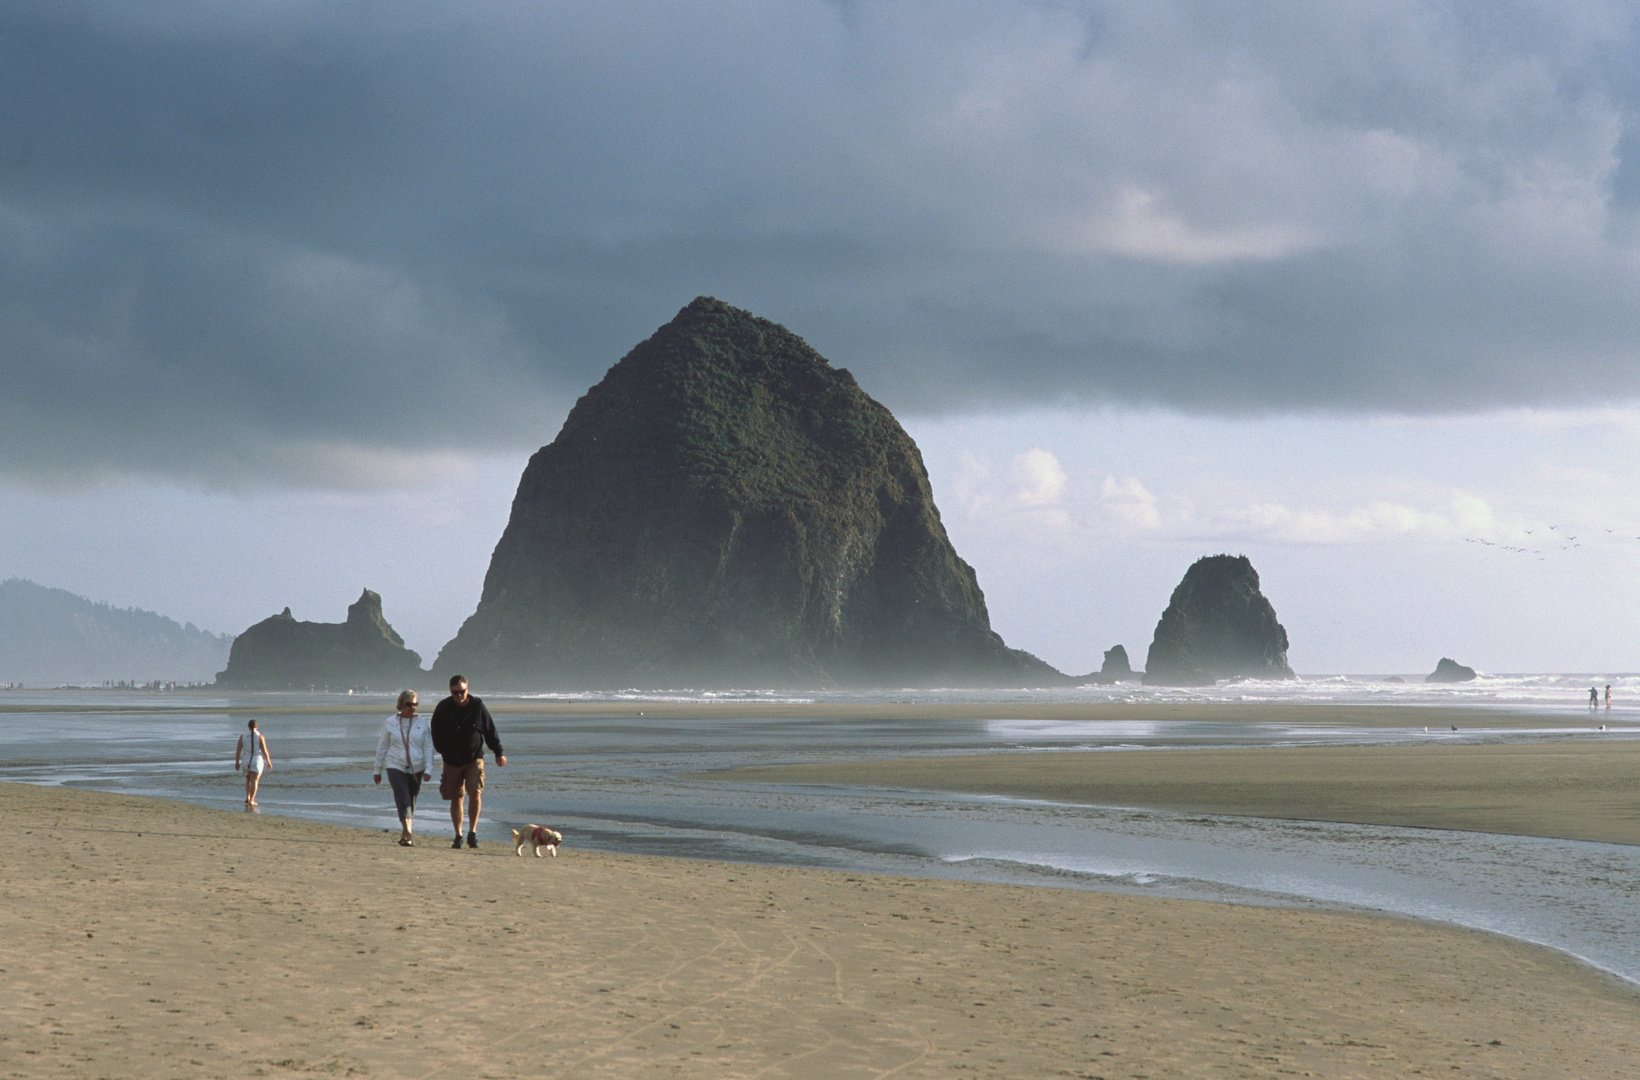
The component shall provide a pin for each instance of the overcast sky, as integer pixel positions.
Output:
(289, 291)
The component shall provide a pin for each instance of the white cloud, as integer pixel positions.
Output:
(1039, 497)
(1362, 524)
(1128, 503)
(1038, 479)
(1472, 514)
(1138, 228)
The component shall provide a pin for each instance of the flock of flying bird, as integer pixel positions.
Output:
(1561, 540)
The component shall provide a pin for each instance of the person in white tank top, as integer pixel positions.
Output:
(254, 748)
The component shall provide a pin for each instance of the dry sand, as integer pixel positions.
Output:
(1575, 790)
(142, 939)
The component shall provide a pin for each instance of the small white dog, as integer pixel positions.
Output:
(538, 837)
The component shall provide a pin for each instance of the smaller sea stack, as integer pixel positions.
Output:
(1218, 625)
(1449, 670)
(1116, 668)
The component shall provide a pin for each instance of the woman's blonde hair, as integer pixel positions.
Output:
(406, 697)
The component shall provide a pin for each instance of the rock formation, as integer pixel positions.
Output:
(1217, 625)
(727, 508)
(280, 653)
(1450, 671)
(1116, 667)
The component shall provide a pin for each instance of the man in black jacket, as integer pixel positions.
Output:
(461, 727)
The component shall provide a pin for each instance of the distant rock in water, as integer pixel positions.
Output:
(1115, 668)
(51, 637)
(280, 653)
(727, 508)
(1450, 671)
(1217, 625)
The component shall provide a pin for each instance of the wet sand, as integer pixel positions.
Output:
(1326, 713)
(141, 938)
(1586, 789)
(1317, 714)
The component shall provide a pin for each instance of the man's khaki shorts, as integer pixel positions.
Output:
(455, 780)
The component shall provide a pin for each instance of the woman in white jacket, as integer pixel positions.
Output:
(406, 747)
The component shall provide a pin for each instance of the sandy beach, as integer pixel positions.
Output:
(1574, 790)
(154, 939)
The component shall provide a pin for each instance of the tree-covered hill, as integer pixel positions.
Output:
(51, 636)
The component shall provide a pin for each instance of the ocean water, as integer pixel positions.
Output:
(634, 785)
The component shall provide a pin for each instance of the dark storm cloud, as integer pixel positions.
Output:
(278, 241)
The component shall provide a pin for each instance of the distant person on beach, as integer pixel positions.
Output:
(1608, 695)
(462, 727)
(1594, 699)
(254, 748)
(406, 747)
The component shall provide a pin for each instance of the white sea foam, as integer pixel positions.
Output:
(1568, 691)
(1564, 691)
(759, 697)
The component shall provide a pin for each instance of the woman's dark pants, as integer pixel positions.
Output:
(406, 786)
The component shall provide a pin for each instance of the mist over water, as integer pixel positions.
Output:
(642, 785)
(1538, 692)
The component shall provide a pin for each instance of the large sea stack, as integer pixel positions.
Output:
(1217, 625)
(280, 653)
(727, 508)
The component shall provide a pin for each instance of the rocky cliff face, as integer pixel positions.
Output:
(280, 653)
(1217, 625)
(727, 508)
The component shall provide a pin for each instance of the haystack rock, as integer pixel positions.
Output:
(1449, 670)
(280, 653)
(727, 508)
(1217, 625)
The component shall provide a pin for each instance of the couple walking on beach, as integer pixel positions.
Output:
(460, 729)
